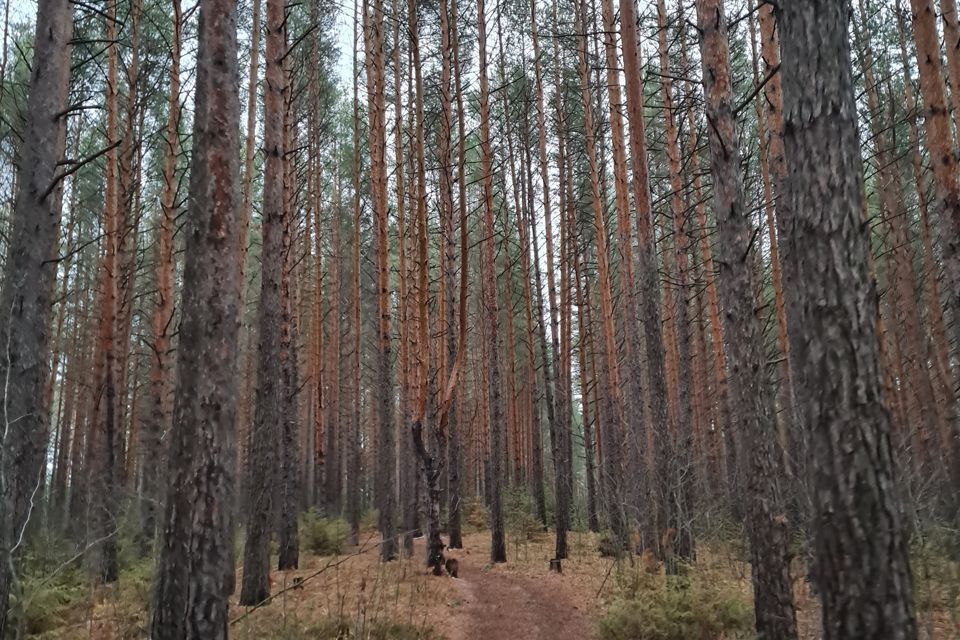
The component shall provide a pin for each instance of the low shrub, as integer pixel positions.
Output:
(691, 611)
(322, 536)
(48, 605)
(370, 519)
(519, 516)
(608, 546)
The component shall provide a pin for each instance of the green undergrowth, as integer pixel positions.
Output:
(651, 607)
(519, 517)
(322, 536)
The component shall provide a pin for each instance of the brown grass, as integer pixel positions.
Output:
(357, 589)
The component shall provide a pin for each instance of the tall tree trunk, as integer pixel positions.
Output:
(773, 172)
(752, 393)
(353, 440)
(613, 390)
(535, 333)
(451, 329)
(102, 445)
(159, 416)
(386, 440)
(931, 280)
(454, 446)
(288, 472)
(863, 569)
(192, 589)
(943, 158)
(951, 42)
(723, 435)
(681, 479)
(491, 307)
(26, 297)
(647, 274)
(626, 293)
(269, 415)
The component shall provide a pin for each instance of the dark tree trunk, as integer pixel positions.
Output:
(26, 300)
(752, 393)
(498, 548)
(863, 570)
(269, 416)
(289, 441)
(454, 446)
(191, 597)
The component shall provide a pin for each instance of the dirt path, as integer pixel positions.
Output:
(498, 605)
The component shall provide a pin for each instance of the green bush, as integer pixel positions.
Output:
(322, 536)
(49, 604)
(608, 546)
(370, 519)
(692, 612)
(519, 516)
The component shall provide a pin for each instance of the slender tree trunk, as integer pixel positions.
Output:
(724, 436)
(159, 416)
(353, 441)
(857, 515)
(946, 172)
(951, 43)
(626, 294)
(584, 338)
(102, 445)
(647, 274)
(931, 280)
(752, 392)
(386, 440)
(681, 479)
(491, 307)
(269, 415)
(454, 437)
(773, 173)
(289, 453)
(613, 390)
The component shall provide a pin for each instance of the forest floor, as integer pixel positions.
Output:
(353, 596)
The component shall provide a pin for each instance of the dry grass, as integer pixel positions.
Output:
(356, 589)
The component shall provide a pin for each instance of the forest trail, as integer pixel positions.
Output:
(496, 604)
